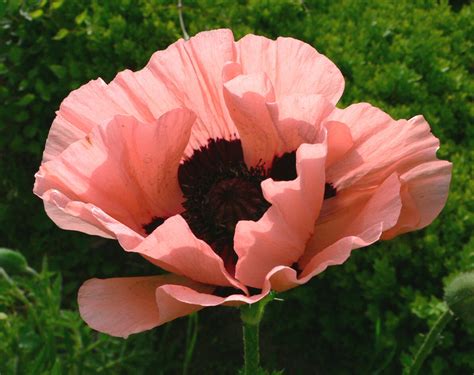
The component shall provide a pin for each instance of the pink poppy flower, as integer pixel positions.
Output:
(227, 164)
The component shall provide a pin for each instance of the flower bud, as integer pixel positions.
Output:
(12, 261)
(459, 295)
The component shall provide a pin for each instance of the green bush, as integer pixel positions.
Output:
(407, 57)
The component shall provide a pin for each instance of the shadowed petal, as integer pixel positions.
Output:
(426, 190)
(298, 118)
(246, 96)
(339, 141)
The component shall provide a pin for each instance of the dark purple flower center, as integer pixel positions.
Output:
(220, 190)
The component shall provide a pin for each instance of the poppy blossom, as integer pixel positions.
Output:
(227, 164)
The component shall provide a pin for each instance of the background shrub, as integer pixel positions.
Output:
(407, 57)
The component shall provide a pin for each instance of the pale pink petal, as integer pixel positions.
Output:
(426, 190)
(279, 237)
(293, 67)
(351, 213)
(381, 147)
(186, 74)
(298, 118)
(128, 169)
(230, 71)
(123, 306)
(174, 247)
(246, 97)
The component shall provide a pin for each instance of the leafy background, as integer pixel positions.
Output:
(366, 316)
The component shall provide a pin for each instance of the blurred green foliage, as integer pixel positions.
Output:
(367, 316)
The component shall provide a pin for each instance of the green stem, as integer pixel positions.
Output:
(251, 348)
(429, 342)
(251, 316)
(191, 337)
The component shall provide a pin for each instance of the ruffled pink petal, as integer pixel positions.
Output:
(128, 169)
(298, 118)
(381, 147)
(174, 247)
(426, 190)
(123, 306)
(293, 67)
(186, 74)
(279, 237)
(351, 213)
(246, 97)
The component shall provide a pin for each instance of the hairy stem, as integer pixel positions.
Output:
(251, 316)
(251, 348)
(429, 342)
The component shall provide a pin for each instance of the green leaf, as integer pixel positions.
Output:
(13, 262)
(61, 34)
(56, 369)
(36, 14)
(25, 100)
(81, 17)
(58, 70)
(3, 69)
(57, 4)
(30, 131)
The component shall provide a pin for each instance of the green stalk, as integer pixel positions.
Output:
(251, 316)
(191, 337)
(429, 342)
(251, 348)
